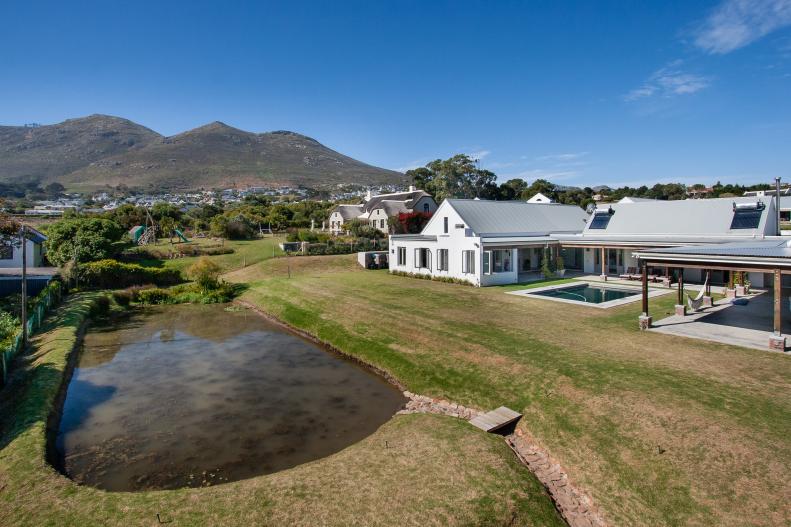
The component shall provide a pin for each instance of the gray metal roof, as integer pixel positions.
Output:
(690, 217)
(414, 237)
(775, 248)
(486, 217)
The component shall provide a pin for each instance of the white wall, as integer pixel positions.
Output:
(455, 241)
(34, 256)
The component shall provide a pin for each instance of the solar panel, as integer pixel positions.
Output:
(746, 219)
(600, 221)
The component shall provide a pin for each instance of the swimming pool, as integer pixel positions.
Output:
(595, 294)
(588, 294)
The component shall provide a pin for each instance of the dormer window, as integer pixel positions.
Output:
(425, 208)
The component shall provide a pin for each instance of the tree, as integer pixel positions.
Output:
(205, 273)
(457, 177)
(54, 190)
(166, 227)
(83, 239)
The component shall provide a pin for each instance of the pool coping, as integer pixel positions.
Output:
(603, 305)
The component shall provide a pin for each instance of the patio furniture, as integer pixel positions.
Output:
(696, 303)
(630, 274)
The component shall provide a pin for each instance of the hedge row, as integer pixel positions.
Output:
(112, 274)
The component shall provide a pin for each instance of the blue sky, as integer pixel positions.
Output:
(579, 93)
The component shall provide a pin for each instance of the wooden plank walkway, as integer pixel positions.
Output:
(495, 419)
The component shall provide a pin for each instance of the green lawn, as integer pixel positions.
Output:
(661, 430)
(435, 470)
(246, 252)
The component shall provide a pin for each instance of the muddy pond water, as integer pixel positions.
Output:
(186, 396)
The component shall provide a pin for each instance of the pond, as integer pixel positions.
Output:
(189, 396)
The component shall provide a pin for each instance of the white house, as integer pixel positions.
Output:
(11, 253)
(376, 210)
(485, 242)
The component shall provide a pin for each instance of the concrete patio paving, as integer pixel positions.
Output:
(749, 326)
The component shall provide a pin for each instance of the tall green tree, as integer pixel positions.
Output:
(457, 177)
(83, 239)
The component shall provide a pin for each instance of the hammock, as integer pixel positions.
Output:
(697, 302)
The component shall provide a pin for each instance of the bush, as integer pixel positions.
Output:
(100, 306)
(205, 273)
(123, 298)
(86, 239)
(9, 326)
(112, 274)
(154, 296)
(424, 276)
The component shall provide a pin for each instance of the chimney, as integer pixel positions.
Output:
(411, 188)
(777, 204)
(368, 195)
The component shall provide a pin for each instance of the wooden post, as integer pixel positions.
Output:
(644, 319)
(603, 263)
(680, 286)
(645, 287)
(778, 320)
(23, 235)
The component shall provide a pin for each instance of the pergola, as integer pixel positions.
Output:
(762, 256)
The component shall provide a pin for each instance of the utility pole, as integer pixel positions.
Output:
(23, 235)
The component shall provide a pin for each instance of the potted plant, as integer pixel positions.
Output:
(560, 265)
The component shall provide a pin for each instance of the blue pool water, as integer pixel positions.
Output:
(587, 293)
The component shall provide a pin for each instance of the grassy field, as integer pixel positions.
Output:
(435, 470)
(246, 252)
(661, 430)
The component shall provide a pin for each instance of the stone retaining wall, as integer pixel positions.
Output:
(574, 505)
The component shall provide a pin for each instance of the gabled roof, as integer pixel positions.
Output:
(348, 212)
(683, 218)
(408, 198)
(35, 235)
(486, 217)
(392, 208)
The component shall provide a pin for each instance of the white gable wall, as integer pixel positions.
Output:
(455, 241)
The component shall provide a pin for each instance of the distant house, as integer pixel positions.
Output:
(11, 253)
(11, 265)
(540, 198)
(376, 210)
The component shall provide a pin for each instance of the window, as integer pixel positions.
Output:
(425, 208)
(6, 251)
(600, 220)
(487, 262)
(423, 258)
(501, 261)
(747, 215)
(402, 256)
(382, 224)
(468, 262)
(445, 224)
(442, 259)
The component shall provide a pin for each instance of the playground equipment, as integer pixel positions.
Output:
(181, 235)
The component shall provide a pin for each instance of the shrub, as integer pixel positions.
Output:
(85, 239)
(100, 306)
(205, 273)
(123, 297)
(9, 325)
(112, 274)
(154, 296)
(424, 276)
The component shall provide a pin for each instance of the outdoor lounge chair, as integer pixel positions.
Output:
(697, 302)
(629, 274)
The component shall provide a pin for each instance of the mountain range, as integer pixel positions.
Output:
(91, 152)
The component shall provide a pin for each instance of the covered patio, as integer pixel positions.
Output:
(756, 321)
